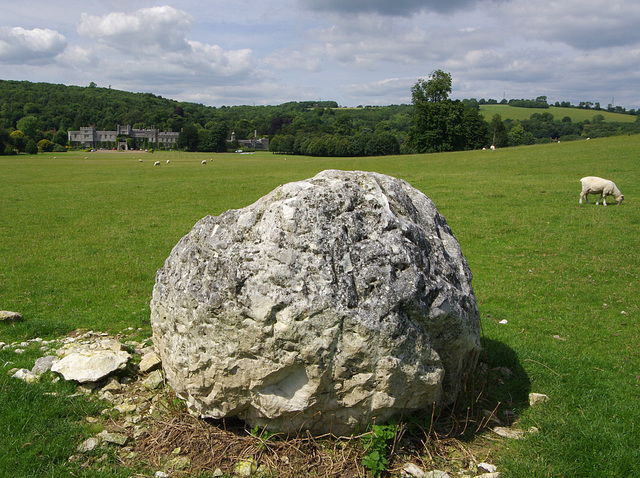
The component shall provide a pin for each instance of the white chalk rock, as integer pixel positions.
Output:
(91, 366)
(325, 304)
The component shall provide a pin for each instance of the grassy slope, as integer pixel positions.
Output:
(576, 115)
(80, 240)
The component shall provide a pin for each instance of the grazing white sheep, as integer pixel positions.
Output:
(167, 161)
(604, 187)
(140, 160)
(493, 148)
(157, 163)
(204, 161)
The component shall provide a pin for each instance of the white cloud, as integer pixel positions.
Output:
(36, 46)
(309, 60)
(582, 24)
(387, 8)
(153, 49)
(157, 28)
(351, 51)
(218, 61)
(399, 88)
(78, 57)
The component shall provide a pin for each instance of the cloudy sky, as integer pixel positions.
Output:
(356, 52)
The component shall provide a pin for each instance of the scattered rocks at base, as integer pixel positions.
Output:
(413, 471)
(179, 463)
(91, 366)
(8, 316)
(537, 398)
(44, 364)
(128, 397)
(88, 445)
(437, 474)
(112, 385)
(486, 468)
(92, 361)
(246, 467)
(116, 438)
(511, 433)
(125, 408)
(135, 405)
(481, 470)
(26, 375)
(154, 380)
(149, 362)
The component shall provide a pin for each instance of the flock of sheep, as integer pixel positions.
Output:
(157, 163)
(590, 185)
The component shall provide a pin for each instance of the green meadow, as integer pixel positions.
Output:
(576, 114)
(82, 235)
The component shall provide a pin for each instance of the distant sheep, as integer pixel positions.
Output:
(604, 187)
(493, 148)
(157, 163)
(140, 160)
(204, 161)
(167, 161)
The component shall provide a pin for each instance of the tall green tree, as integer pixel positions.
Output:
(31, 147)
(188, 138)
(31, 127)
(60, 138)
(440, 124)
(18, 140)
(498, 132)
(434, 90)
(4, 140)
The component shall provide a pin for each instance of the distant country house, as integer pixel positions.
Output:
(253, 143)
(89, 137)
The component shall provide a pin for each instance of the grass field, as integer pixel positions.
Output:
(81, 237)
(576, 115)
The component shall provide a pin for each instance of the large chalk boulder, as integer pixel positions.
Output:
(326, 304)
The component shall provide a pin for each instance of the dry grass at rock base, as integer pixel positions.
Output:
(452, 443)
(210, 447)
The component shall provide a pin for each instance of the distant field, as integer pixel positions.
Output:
(81, 240)
(576, 115)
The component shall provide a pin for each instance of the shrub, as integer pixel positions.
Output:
(45, 145)
(31, 147)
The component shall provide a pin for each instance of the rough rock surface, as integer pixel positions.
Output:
(326, 304)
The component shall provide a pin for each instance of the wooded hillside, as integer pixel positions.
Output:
(39, 115)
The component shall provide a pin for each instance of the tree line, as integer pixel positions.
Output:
(36, 117)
